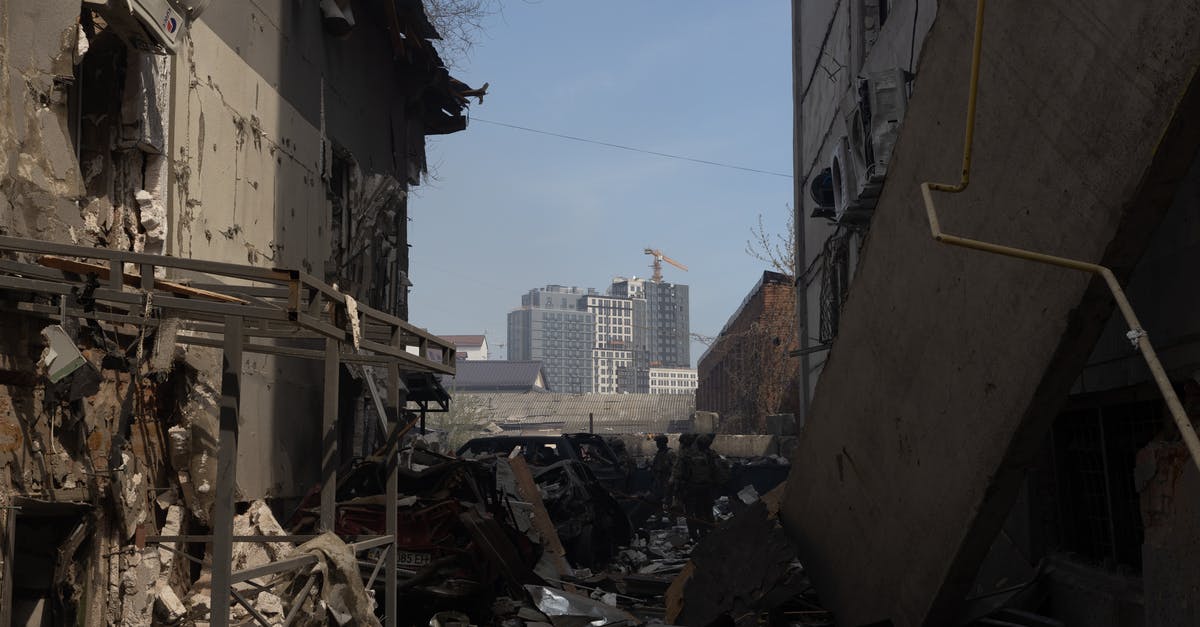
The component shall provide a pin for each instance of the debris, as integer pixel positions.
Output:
(565, 608)
(168, 609)
(748, 494)
(355, 323)
(258, 520)
(61, 356)
(589, 521)
(744, 567)
(527, 492)
(130, 495)
(450, 619)
(269, 605)
(163, 354)
(342, 593)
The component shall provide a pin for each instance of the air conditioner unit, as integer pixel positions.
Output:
(848, 203)
(888, 102)
(872, 113)
(821, 190)
(856, 117)
(164, 20)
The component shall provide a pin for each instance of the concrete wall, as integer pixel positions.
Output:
(253, 106)
(265, 99)
(39, 175)
(951, 364)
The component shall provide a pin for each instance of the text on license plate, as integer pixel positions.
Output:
(408, 558)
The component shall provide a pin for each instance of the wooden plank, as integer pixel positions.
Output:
(528, 491)
(133, 280)
(674, 597)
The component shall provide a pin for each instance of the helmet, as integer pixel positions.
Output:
(661, 438)
(704, 441)
(686, 439)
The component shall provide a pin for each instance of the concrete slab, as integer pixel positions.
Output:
(951, 364)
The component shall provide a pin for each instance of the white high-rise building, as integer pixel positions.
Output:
(612, 351)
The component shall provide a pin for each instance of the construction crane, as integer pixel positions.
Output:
(657, 265)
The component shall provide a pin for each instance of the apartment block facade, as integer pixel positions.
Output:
(673, 380)
(623, 339)
(553, 326)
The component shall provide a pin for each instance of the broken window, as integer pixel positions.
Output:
(48, 581)
(1095, 452)
(369, 234)
(118, 110)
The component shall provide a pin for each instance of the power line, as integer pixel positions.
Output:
(631, 148)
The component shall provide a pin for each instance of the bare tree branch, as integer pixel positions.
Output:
(776, 250)
(460, 23)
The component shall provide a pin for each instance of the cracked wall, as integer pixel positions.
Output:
(40, 184)
(221, 152)
(276, 126)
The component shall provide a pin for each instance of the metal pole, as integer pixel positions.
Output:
(231, 394)
(591, 423)
(393, 489)
(329, 436)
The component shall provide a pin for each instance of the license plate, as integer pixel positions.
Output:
(408, 558)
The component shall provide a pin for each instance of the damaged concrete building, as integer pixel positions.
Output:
(179, 179)
(980, 436)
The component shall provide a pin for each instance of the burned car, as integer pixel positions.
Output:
(576, 474)
(544, 450)
(456, 543)
(591, 524)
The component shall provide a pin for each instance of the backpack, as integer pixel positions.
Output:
(701, 470)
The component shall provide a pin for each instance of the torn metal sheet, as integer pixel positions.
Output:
(562, 607)
(61, 357)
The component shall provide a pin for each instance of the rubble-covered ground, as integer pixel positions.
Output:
(496, 541)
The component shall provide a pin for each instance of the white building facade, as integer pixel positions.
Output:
(673, 380)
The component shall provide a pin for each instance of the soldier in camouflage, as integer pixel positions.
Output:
(660, 469)
(697, 474)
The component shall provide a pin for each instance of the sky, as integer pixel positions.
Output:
(509, 210)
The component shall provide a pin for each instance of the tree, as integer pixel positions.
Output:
(467, 418)
(460, 23)
(754, 370)
(777, 250)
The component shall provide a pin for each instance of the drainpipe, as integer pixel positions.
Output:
(798, 212)
(1137, 335)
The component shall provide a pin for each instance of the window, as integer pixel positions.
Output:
(835, 279)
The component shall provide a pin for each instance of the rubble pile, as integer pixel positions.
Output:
(496, 540)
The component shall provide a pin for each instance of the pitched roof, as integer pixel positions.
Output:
(464, 341)
(568, 413)
(496, 376)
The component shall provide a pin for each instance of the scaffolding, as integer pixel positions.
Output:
(239, 308)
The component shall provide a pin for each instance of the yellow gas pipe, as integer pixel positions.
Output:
(1136, 334)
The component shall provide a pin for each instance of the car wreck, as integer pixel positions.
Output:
(457, 542)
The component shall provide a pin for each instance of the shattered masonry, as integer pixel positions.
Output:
(111, 138)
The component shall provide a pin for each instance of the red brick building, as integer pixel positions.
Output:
(746, 373)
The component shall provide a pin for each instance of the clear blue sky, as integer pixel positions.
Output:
(511, 210)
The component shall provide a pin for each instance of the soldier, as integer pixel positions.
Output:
(623, 460)
(695, 477)
(660, 469)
